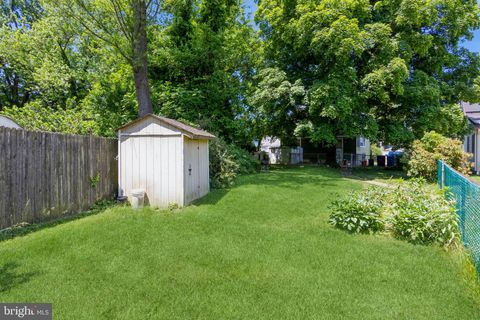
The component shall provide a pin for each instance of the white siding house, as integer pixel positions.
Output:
(165, 158)
(471, 143)
(363, 146)
(355, 150)
(278, 154)
(354, 153)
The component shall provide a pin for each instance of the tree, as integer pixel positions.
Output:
(79, 59)
(15, 16)
(388, 70)
(278, 105)
(54, 72)
(122, 25)
(202, 65)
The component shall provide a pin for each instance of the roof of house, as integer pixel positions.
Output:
(472, 111)
(189, 130)
(9, 123)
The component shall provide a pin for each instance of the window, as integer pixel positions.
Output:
(472, 150)
(361, 142)
(470, 144)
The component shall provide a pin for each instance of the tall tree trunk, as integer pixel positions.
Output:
(140, 59)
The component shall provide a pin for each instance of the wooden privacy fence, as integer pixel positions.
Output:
(44, 175)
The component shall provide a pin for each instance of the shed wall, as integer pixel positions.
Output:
(150, 127)
(153, 163)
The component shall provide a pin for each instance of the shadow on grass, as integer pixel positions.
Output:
(24, 229)
(293, 177)
(278, 176)
(377, 173)
(213, 197)
(10, 277)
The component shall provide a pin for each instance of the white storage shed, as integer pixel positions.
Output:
(164, 157)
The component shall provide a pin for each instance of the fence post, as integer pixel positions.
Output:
(443, 173)
(463, 211)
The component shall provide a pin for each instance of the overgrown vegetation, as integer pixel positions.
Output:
(36, 117)
(422, 158)
(359, 213)
(94, 180)
(410, 211)
(227, 161)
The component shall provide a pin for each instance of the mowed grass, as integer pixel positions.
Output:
(475, 179)
(262, 250)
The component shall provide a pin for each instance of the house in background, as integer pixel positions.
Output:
(9, 123)
(278, 154)
(471, 142)
(353, 150)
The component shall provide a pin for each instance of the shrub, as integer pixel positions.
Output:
(359, 213)
(421, 160)
(36, 117)
(375, 151)
(227, 161)
(422, 216)
(412, 211)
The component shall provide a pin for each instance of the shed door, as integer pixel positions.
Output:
(192, 172)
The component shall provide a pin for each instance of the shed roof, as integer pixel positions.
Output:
(472, 111)
(190, 131)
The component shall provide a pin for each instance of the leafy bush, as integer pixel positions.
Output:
(359, 213)
(375, 151)
(411, 211)
(227, 161)
(36, 117)
(421, 160)
(422, 216)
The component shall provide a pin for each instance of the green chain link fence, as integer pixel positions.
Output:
(467, 197)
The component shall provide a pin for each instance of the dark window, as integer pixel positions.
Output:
(473, 137)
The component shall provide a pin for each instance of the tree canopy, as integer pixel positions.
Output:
(388, 70)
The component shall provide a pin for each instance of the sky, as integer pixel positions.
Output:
(473, 45)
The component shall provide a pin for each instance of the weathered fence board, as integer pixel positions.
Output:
(44, 175)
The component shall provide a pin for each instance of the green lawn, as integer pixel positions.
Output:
(475, 179)
(379, 174)
(262, 250)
